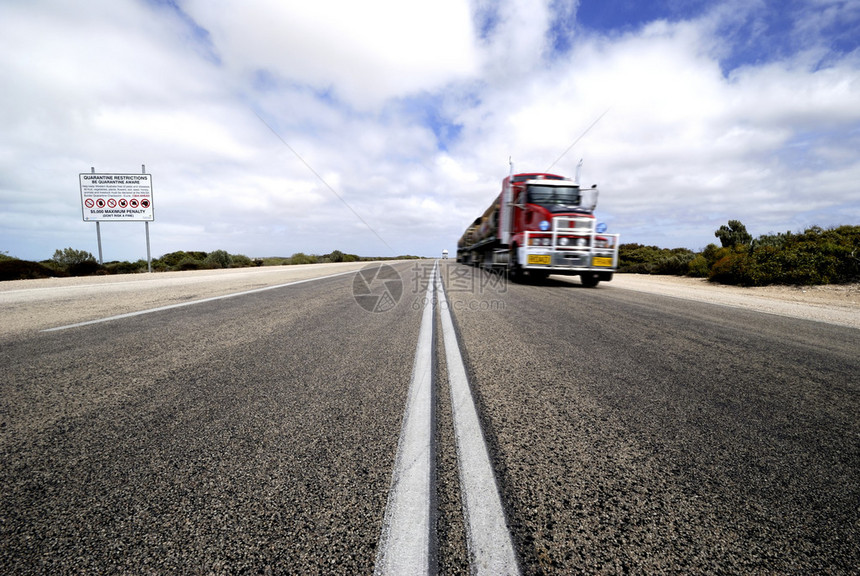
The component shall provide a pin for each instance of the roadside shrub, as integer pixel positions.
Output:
(730, 269)
(218, 259)
(638, 259)
(677, 263)
(242, 261)
(814, 257)
(698, 267)
(712, 253)
(85, 268)
(126, 267)
(302, 258)
(171, 260)
(14, 269)
(189, 263)
(735, 234)
(274, 261)
(68, 257)
(58, 269)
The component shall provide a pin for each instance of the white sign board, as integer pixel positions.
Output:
(117, 197)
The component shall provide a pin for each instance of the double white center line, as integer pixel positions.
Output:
(407, 541)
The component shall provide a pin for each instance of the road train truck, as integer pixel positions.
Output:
(541, 224)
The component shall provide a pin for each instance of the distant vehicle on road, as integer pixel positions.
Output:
(444, 254)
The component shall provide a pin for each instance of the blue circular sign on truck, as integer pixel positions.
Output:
(601, 227)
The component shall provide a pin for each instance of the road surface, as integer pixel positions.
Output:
(625, 432)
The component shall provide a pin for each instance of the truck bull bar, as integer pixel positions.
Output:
(571, 245)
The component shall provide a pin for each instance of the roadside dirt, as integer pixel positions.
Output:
(28, 305)
(835, 304)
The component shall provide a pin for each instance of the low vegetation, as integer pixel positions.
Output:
(814, 256)
(71, 262)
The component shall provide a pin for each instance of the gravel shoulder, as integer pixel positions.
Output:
(833, 304)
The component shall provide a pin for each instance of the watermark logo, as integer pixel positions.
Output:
(377, 288)
(467, 288)
(465, 279)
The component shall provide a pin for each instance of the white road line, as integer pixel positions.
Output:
(191, 303)
(491, 549)
(405, 542)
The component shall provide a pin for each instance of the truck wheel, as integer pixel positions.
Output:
(515, 271)
(589, 280)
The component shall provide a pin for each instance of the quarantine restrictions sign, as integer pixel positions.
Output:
(117, 197)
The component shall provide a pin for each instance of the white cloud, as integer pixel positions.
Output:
(681, 142)
(365, 52)
(360, 91)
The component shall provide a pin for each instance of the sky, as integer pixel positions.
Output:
(384, 127)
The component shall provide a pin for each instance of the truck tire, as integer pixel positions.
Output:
(590, 279)
(538, 276)
(515, 271)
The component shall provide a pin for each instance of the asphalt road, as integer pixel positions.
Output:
(628, 432)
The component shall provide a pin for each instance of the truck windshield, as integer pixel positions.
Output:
(551, 196)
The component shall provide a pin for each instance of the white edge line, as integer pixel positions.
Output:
(405, 542)
(191, 303)
(491, 549)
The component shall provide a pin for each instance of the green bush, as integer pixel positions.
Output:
(735, 234)
(242, 261)
(14, 269)
(698, 267)
(274, 261)
(126, 267)
(189, 263)
(638, 259)
(173, 259)
(68, 257)
(816, 256)
(218, 259)
(302, 258)
(85, 268)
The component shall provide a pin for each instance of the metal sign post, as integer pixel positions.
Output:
(98, 229)
(118, 198)
(146, 225)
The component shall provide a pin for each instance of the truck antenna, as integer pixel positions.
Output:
(578, 139)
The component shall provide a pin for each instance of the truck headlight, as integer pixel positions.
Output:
(563, 241)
